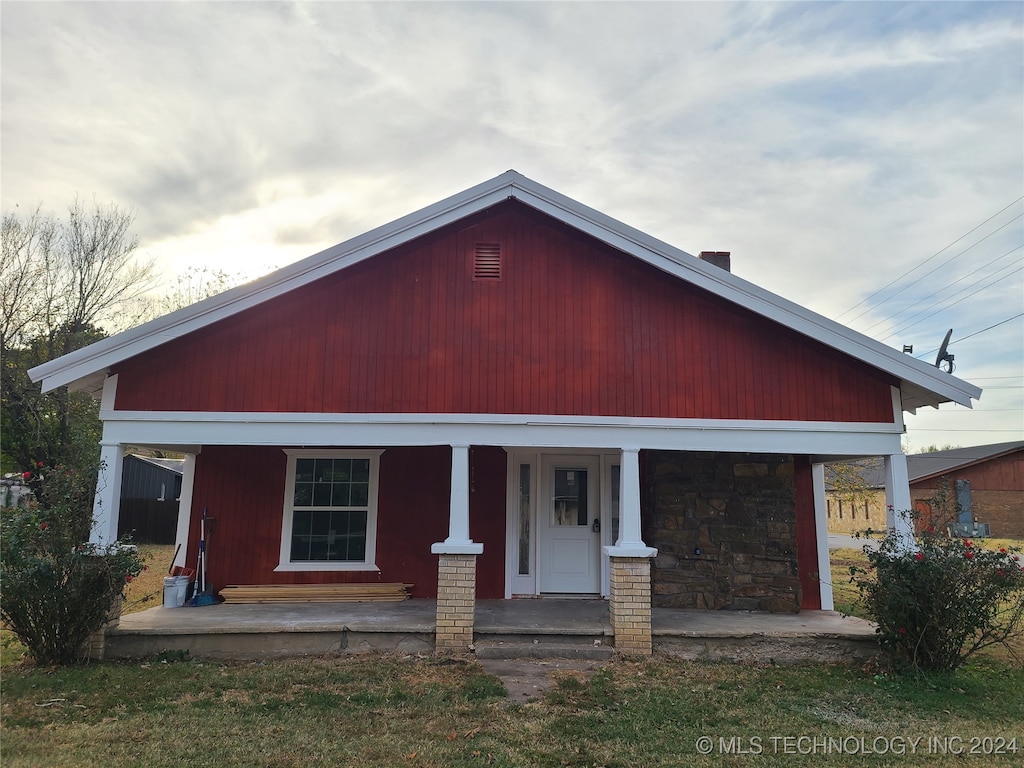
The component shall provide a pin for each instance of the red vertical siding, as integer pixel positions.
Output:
(806, 537)
(243, 488)
(488, 475)
(1004, 473)
(573, 327)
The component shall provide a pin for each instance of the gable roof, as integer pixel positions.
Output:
(921, 384)
(922, 466)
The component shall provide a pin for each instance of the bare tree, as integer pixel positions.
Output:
(63, 282)
(22, 273)
(193, 285)
(60, 277)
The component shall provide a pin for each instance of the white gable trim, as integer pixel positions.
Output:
(921, 384)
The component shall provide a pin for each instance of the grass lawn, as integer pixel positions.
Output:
(147, 589)
(394, 710)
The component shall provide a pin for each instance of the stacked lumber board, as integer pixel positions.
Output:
(316, 593)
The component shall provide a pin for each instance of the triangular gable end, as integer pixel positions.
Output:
(920, 383)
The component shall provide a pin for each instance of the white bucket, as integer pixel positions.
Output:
(175, 589)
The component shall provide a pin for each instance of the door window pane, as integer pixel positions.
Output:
(524, 519)
(616, 479)
(570, 502)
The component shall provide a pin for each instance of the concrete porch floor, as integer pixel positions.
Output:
(296, 629)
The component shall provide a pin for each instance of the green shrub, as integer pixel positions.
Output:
(938, 603)
(58, 589)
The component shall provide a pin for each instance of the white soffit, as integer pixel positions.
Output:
(921, 384)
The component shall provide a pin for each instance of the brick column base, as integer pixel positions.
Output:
(630, 605)
(456, 601)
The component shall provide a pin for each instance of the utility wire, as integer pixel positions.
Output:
(954, 303)
(993, 279)
(936, 293)
(898, 291)
(976, 333)
(943, 264)
(986, 221)
(921, 429)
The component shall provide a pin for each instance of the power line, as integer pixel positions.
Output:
(954, 303)
(943, 264)
(997, 278)
(973, 411)
(987, 329)
(921, 429)
(1014, 431)
(976, 333)
(986, 221)
(935, 293)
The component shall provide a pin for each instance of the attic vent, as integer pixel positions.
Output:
(487, 261)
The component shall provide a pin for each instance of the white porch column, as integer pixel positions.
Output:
(107, 502)
(629, 599)
(188, 479)
(630, 543)
(458, 541)
(897, 499)
(821, 534)
(456, 566)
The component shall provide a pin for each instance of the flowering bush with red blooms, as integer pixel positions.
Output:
(938, 604)
(58, 589)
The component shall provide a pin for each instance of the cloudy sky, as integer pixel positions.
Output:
(865, 160)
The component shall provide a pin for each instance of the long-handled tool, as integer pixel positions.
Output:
(202, 596)
(170, 568)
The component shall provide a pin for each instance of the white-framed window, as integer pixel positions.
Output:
(329, 521)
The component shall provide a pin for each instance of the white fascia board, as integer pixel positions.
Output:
(923, 384)
(512, 430)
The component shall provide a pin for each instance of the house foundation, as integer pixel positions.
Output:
(95, 645)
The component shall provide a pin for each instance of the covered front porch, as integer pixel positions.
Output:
(473, 507)
(568, 627)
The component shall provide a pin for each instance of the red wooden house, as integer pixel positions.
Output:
(509, 394)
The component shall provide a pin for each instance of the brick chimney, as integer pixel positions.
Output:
(720, 259)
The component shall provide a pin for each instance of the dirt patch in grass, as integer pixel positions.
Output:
(526, 680)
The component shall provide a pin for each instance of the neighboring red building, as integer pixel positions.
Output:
(982, 484)
(508, 393)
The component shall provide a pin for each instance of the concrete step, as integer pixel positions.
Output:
(525, 648)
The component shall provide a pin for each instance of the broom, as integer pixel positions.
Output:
(202, 597)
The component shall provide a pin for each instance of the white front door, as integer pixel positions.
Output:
(569, 528)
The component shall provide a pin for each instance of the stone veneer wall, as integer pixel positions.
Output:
(725, 528)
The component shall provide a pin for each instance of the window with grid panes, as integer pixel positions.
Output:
(330, 511)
